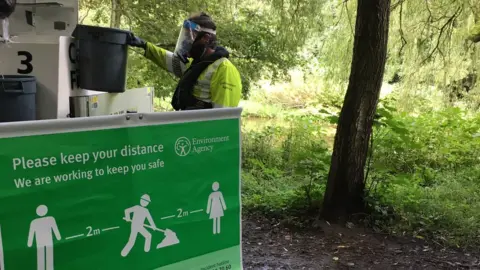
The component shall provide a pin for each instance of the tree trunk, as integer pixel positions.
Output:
(344, 195)
(116, 14)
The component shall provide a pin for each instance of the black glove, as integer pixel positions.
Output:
(136, 41)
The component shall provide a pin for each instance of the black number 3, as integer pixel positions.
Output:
(26, 62)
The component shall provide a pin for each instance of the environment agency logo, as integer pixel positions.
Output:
(183, 146)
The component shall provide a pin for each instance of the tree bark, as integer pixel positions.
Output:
(344, 195)
(116, 14)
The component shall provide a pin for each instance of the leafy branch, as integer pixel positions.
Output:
(402, 34)
(446, 28)
(397, 4)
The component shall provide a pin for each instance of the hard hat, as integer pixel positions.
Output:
(146, 198)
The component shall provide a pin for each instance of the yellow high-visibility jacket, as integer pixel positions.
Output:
(220, 83)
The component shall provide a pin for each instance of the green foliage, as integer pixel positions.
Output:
(475, 33)
(440, 205)
(284, 169)
(264, 37)
(422, 173)
(429, 49)
(422, 178)
(440, 140)
(428, 43)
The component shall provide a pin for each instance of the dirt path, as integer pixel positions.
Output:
(267, 245)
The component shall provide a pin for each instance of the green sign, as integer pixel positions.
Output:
(162, 196)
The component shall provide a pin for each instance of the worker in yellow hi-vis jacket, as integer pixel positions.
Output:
(207, 78)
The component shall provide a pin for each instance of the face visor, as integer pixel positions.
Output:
(188, 33)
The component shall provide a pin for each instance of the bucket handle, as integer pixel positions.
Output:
(12, 87)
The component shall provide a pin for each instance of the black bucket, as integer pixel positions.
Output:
(17, 98)
(102, 55)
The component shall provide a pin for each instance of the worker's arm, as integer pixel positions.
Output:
(226, 86)
(165, 59)
(150, 220)
(128, 211)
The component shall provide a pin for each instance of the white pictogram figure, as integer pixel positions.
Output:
(41, 230)
(140, 213)
(2, 262)
(182, 146)
(216, 206)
